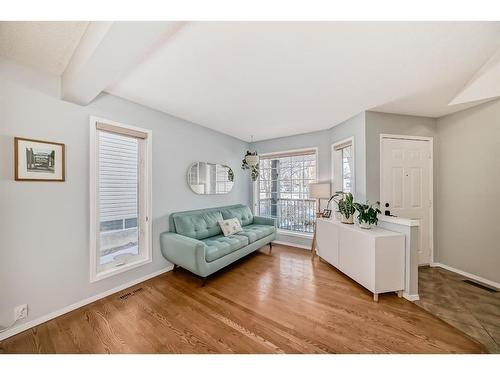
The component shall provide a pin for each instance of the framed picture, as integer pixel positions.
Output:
(38, 160)
(326, 213)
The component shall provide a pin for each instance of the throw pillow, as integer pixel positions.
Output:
(230, 226)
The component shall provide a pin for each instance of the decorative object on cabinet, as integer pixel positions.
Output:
(36, 160)
(317, 191)
(345, 204)
(209, 178)
(367, 214)
(326, 213)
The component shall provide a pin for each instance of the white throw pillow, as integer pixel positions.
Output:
(230, 226)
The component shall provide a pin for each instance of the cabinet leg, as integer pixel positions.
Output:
(400, 293)
(375, 297)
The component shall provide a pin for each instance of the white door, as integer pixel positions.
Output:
(405, 185)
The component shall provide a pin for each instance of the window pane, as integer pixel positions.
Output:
(347, 169)
(118, 196)
(284, 191)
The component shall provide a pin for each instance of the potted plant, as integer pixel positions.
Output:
(367, 214)
(345, 204)
(251, 161)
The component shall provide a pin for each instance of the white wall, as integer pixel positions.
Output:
(387, 123)
(468, 188)
(44, 226)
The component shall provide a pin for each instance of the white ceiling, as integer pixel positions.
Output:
(47, 46)
(266, 79)
(281, 78)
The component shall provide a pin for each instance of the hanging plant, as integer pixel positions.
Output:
(254, 167)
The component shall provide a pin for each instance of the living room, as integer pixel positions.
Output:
(249, 187)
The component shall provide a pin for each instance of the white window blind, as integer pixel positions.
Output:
(120, 198)
(118, 178)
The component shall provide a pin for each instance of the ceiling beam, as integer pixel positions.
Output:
(107, 51)
(483, 85)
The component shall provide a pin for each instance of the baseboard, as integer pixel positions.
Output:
(45, 318)
(491, 283)
(292, 245)
(411, 297)
(289, 233)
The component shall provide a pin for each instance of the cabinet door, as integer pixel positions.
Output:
(327, 241)
(354, 256)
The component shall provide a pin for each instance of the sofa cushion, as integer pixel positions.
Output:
(230, 226)
(255, 232)
(243, 213)
(198, 225)
(219, 246)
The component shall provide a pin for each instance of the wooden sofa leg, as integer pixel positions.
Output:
(203, 281)
(270, 247)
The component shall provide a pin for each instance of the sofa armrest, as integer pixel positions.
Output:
(262, 220)
(183, 251)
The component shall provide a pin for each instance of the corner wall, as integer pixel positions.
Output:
(44, 226)
(353, 127)
(468, 188)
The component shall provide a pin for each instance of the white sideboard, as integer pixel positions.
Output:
(375, 258)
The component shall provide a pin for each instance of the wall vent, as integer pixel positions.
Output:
(129, 294)
(481, 286)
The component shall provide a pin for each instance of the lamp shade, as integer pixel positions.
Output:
(318, 191)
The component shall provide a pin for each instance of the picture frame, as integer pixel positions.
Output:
(326, 213)
(36, 160)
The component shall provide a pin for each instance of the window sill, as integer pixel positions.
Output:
(294, 234)
(117, 270)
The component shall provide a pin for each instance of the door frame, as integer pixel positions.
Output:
(431, 179)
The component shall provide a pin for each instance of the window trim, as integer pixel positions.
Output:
(256, 187)
(286, 152)
(147, 199)
(335, 166)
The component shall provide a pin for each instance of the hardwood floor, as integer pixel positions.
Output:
(278, 303)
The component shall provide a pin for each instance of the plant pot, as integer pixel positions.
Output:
(347, 220)
(364, 225)
(252, 160)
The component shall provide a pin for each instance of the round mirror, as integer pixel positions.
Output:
(209, 178)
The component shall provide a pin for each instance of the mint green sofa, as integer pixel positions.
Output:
(195, 241)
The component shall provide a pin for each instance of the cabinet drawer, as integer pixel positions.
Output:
(355, 257)
(327, 235)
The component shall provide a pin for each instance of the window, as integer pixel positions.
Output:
(120, 191)
(343, 166)
(284, 189)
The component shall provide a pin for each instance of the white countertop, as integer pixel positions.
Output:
(399, 220)
(374, 231)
